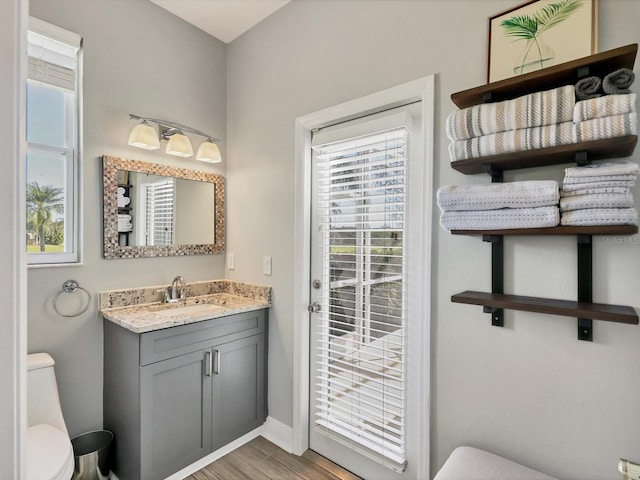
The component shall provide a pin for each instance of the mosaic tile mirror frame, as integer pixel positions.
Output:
(119, 222)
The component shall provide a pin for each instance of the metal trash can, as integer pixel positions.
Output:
(92, 452)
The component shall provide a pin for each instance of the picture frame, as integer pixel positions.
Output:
(539, 34)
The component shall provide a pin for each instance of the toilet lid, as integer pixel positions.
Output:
(49, 454)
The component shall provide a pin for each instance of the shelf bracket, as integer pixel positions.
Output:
(497, 276)
(582, 159)
(585, 284)
(495, 173)
(583, 71)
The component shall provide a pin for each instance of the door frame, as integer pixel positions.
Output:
(422, 90)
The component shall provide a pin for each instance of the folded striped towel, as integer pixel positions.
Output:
(512, 141)
(507, 218)
(604, 107)
(532, 110)
(527, 194)
(600, 169)
(600, 216)
(591, 191)
(606, 200)
(606, 127)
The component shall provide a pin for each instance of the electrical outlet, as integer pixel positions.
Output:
(266, 265)
(231, 261)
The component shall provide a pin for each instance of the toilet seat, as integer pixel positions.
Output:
(49, 454)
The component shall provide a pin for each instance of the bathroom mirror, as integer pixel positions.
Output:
(153, 210)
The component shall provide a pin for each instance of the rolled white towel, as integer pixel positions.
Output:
(124, 216)
(121, 190)
(606, 200)
(600, 216)
(123, 201)
(527, 194)
(507, 218)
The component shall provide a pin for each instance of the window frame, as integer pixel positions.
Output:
(72, 151)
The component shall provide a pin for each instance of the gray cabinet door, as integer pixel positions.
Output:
(175, 410)
(238, 388)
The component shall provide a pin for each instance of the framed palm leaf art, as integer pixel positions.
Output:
(540, 34)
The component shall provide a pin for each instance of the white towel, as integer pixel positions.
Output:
(125, 228)
(507, 218)
(611, 200)
(600, 216)
(605, 106)
(121, 190)
(519, 140)
(594, 190)
(123, 201)
(610, 179)
(533, 110)
(606, 127)
(528, 194)
(124, 216)
(600, 169)
(611, 183)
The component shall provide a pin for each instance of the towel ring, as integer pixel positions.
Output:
(71, 286)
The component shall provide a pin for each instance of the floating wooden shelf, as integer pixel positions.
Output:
(594, 311)
(596, 150)
(567, 73)
(595, 230)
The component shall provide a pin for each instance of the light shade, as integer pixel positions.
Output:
(179, 145)
(144, 136)
(209, 152)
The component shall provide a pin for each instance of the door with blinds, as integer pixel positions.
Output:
(360, 248)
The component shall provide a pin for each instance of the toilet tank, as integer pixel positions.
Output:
(43, 401)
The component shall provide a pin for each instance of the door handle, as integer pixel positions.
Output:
(207, 363)
(314, 307)
(216, 365)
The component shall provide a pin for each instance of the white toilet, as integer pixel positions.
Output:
(49, 450)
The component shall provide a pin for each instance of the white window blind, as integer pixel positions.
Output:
(361, 381)
(159, 212)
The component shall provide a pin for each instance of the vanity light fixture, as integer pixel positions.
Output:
(145, 136)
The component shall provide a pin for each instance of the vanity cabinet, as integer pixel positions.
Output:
(174, 395)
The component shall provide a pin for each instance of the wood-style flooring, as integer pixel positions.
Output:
(262, 460)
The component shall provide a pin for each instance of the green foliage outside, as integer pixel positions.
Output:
(43, 233)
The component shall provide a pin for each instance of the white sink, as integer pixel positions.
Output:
(190, 310)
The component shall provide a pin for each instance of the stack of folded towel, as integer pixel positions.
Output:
(534, 121)
(123, 200)
(124, 223)
(499, 206)
(605, 117)
(599, 195)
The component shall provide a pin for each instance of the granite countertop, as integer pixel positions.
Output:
(141, 310)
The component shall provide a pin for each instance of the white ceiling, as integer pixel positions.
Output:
(224, 19)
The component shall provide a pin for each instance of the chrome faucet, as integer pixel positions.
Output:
(177, 289)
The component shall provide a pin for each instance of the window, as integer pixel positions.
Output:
(52, 144)
(158, 212)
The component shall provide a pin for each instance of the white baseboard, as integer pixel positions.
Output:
(278, 433)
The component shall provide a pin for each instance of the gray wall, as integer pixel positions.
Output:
(529, 391)
(138, 59)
